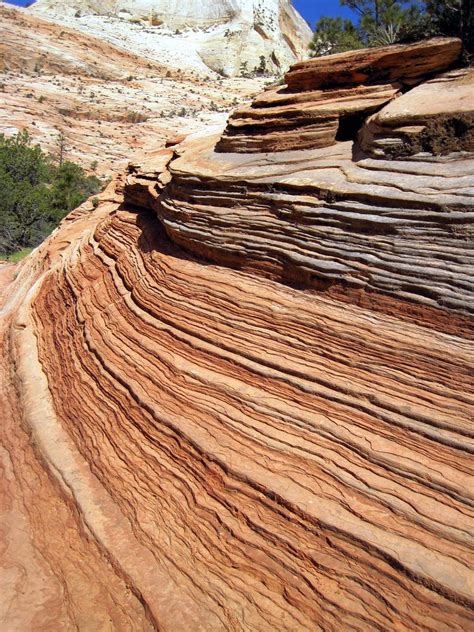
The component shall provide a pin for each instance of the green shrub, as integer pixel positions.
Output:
(17, 256)
(136, 117)
(36, 193)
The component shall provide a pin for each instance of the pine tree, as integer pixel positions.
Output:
(334, 35)
(35, 192)
(467, 26)
(384, 22)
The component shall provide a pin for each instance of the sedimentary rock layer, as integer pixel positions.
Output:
(406, 63)
(230, 36)
(103, 103)
(367, 230)
(241, 454)
(190, 444)
(279, 121)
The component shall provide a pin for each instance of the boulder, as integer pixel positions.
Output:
(436, 117)
(407, 63)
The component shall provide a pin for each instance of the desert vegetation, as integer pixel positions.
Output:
(38, 190)
(385, 22)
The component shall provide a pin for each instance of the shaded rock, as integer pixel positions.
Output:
(145, 180)
(436, 117)
(280, 121)
(174, 140)
(320, 220)
(327, 99)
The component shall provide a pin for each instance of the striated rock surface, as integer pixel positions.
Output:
(190, 444)
(278, 120)
(321, 220)
(405, 63)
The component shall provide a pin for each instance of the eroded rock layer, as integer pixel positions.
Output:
(320, 219)
(405, 63)
(246, 456)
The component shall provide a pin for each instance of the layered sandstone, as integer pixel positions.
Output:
(191, 444)
(227, 453)
(324, 99)
(404, 63)
(321, 219)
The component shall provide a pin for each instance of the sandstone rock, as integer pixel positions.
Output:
(281, 121)
(174, 140)
(222, 452)
(189, 444)
(327, 99)
(407, 63)
(108, 103)
(436, 117)
(144, 182)
(318, 219)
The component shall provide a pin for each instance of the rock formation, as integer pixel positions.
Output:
(229, 36)
(323, 101)
(191, 444)
(434, 117)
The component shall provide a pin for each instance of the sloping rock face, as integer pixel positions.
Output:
(176, 14)
(190, 444)
(233, 35)
(106, 103)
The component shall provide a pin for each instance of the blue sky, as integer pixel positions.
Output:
(312, 10)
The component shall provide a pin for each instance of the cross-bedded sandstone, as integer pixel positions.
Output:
(190, 444)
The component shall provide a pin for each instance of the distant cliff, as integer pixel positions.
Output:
(231, 36)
